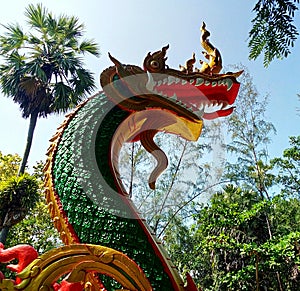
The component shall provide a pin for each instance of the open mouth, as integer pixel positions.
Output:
(205, 98)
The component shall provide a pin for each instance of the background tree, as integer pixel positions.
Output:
(231, 245)
(41, 69)
(18, 194)
(35, 227)
(273, 32)
(229, 248)
(247, 236)
(186, 180)
(249, 136)
(9, 165)
(288, 167)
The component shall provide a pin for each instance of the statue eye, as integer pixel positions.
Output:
(154, 64)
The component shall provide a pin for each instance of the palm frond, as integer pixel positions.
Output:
(13, 38)
(89, 46)
(36, 16)
(43, 71)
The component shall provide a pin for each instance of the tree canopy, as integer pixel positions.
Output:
(42, 69)
(43, 72)
(273, 32)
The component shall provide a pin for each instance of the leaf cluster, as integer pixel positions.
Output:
(288, 167)
(18, 195)
(9, 165)
(229, 246)
(247, 236)
(273, 31)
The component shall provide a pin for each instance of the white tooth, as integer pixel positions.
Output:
(171, 80)
(165, 81)
(191, 81)
(201, 107)
(199, 81)
(183, 82)
(177, 80)
(159, 83)
(222, 82)
(214, 83)
(174, 97)
(229, 83)
(151, 83)
(207, 83)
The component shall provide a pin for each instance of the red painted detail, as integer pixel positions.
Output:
(25, 254)
(219, 113)
(136, 138)
(66, 286)
(191, 286)
(191, 94)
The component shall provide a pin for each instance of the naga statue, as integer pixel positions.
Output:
(108, 244)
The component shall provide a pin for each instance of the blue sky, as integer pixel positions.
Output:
(130, 29)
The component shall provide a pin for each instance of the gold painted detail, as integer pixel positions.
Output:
(212, 54)
(7, 285)
(58, 217)
(213, 65)
(79, 262)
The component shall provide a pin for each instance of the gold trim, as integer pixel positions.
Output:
(60, 221)
(80, 261)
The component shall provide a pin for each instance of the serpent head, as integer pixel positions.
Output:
(164, 99)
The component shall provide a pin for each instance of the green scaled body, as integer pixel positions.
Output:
(81, 157)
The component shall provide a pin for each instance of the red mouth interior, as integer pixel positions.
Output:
(195, 97)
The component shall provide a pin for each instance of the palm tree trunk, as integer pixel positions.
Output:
(32, 124)
(3, 234)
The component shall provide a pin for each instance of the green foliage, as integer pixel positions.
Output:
(35, 229)
(9, 165)
(31, 223)
(248, 236)
(229, 247)
(18, 195)
(23, 197)
(273, 31)
(289, 169)
(249, 133)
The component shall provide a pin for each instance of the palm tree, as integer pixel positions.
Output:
(42, 70)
